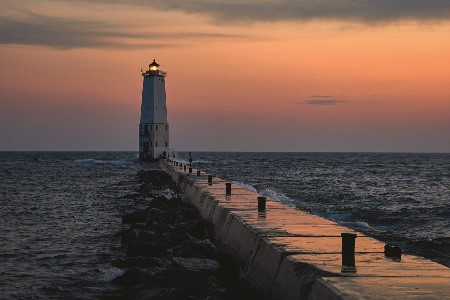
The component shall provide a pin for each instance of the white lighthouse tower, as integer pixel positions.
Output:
(153, 127)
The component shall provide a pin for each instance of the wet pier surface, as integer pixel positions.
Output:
(290, 254)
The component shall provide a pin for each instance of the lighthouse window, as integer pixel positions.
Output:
(166, 144)
(156, 127)
(156, 144)
(146, 129)
(166, 127)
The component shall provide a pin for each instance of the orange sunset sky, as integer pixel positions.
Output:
(270, 75)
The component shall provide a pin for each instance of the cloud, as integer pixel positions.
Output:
(65, 33)
(61, 32)
(324, 102)
(364, 11)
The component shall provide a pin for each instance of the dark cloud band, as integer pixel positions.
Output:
(366, 11)
(64, 33)
(326, 102)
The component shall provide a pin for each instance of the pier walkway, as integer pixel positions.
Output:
(286, 253)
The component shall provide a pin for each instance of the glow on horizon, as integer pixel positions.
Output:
(252, 85)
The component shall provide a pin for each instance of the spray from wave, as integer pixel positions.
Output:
(102, 162)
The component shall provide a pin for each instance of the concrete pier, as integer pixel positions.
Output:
(286, 253)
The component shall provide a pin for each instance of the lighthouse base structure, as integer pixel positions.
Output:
(153, 141)
(144, 157)
(148, 157)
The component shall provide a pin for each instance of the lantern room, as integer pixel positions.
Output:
(153, 70)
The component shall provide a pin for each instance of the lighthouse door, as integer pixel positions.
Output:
(146, 147)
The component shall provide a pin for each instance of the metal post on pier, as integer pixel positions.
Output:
(228, 188)
(348, 252)
(262, 204)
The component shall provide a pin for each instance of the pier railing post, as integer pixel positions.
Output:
(228, 188)
(394, 252)
(262, 204)
(209, 179)
(348, 252)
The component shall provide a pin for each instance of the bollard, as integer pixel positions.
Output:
(209, 179)
(198, 172)
(348, 252)
(190, 170)
(184, 167)
(228, 188)
(261, 204)
(393, 252)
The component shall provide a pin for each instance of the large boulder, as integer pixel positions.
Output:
(146, 249)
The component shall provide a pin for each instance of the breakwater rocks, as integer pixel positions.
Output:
(168, 252)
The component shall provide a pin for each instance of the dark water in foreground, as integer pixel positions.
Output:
(60, 211)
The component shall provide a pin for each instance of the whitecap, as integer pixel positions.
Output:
(276, 195)
(102, 162)
(168, 193)
(360, 224)
(194, 162)
(109, 274)
(246, 186)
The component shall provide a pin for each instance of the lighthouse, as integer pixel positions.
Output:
(153, 127)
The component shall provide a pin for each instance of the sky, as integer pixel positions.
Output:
(242, 75)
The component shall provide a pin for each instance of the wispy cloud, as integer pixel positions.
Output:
(325, 102)
(65, 33)
(363, 11)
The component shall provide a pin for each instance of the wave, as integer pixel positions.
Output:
(246, 186)
(200, 161)
(276, 195)
(360, 224)
(102, 162)
(168, 193)
(194, 162)
(109, 274)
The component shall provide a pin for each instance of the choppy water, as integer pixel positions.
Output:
(60, 210)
